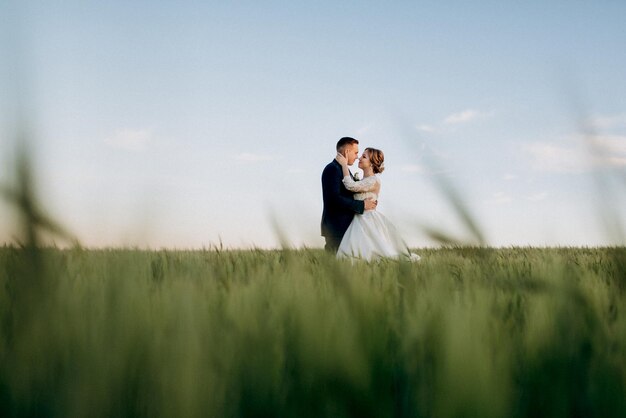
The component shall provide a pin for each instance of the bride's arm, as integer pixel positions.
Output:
(354, 186)
(368, 184)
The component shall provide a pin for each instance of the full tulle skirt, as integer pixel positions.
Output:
(371, 237)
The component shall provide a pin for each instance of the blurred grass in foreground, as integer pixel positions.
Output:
(517, 332)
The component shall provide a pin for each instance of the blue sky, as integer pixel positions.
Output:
(177, 125)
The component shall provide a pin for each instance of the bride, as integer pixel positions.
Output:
(370, 236)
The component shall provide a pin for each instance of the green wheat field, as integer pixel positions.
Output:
(466, 332)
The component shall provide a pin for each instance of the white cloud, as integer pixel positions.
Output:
(537, 197)
(426, 128)
(614, 145)
(363, 130)
(465, 116)
(412, 168)
(574, 155)
(509, 177)
(130, 139)
(606, 122)
(555, 158)
(424, 170)
(500, 198)
(253, 158)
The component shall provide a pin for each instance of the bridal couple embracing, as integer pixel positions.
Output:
(351, 225)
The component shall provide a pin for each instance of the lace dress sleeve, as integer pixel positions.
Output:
(368, 184)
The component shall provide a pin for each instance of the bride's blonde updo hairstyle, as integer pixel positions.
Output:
(377, 158)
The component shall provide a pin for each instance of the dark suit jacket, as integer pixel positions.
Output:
(339, 205)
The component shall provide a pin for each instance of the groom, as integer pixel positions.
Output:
(339, 205)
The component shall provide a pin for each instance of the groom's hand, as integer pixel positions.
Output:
(370, 204)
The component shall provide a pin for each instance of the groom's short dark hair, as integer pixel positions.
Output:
(345, 141)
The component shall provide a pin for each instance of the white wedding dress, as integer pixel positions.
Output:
(371, 236)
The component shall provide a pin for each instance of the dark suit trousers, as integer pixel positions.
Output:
(332, 244)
